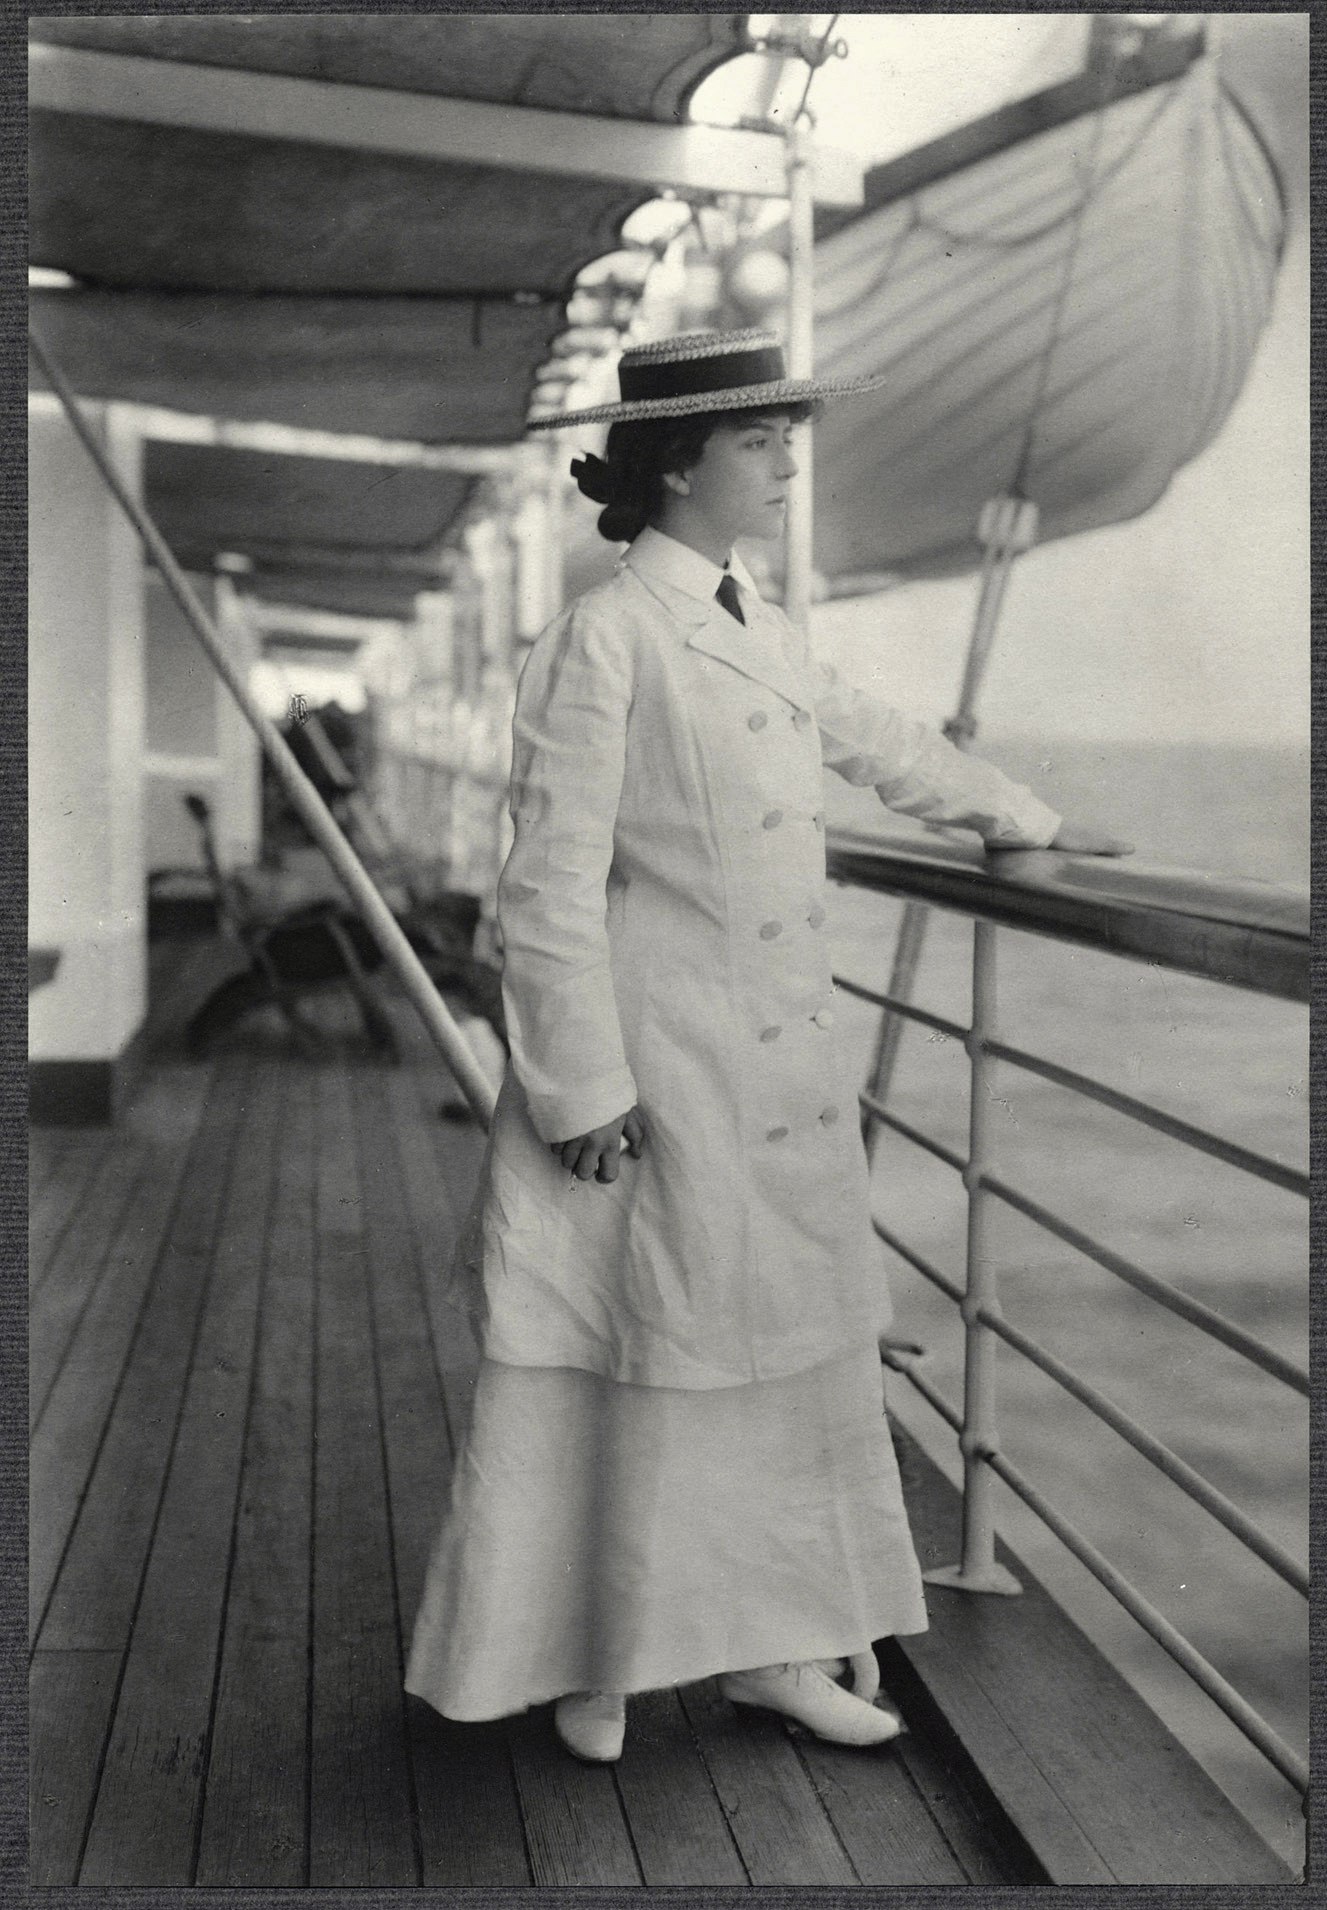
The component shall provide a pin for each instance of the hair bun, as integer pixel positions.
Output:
(593, 477)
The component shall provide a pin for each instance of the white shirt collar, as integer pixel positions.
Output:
(662, 559)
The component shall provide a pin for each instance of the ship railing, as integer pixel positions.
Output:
(1251, 936)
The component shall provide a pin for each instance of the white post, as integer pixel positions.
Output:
(239, 820)
(978, 1569)
(87, 896)
(555, 495)
(801, 364)
(529, 532)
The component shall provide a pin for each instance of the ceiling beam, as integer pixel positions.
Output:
(218, 99)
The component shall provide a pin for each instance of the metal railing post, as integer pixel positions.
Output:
(978, 1570)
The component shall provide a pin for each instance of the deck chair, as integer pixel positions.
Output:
(441, 924)
(290, 955)
(320, 944)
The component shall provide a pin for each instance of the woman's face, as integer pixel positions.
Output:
(739, 485)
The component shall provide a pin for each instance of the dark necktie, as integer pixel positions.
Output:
(728, 597)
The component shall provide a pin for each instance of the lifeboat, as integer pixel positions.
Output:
(1064, 297)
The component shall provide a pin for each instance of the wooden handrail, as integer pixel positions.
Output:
(1253, 935)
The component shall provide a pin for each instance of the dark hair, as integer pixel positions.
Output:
(629, 479)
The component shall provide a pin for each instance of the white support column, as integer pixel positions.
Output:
(490, 551)
(181, 715)
(557, 486)
(239, 817)
(86, 714)
(531, 533)
(801, 364)
(481, 787)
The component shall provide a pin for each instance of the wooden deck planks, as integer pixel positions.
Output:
(75, 1267)
(75, 1356)
(1092, 1781)
(440, 1166)
(879, 1815)
(149, 1803)
(361, 1826)
(62, 1163)
(777, 1819)
(677, 1824)
(46, 1148)
(470, 1827)
(91, 1608)
(255, 1814)
(985, 1856)
(574, 1823)
(258, 1604)
(99, 1455)
(416, 1442)
(71, 1697)
(1019, 1788)
(469, 1813)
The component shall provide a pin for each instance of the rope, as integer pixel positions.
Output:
(814, 66)
(1093, 187)
(1145, 131)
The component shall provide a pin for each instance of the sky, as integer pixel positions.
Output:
(1190, 623)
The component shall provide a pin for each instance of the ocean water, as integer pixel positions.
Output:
(1227, 1060)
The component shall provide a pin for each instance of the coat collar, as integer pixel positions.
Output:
(685, 583)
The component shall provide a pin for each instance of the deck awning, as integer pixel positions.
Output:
(323, 281)
(343, 223)
(325, 533)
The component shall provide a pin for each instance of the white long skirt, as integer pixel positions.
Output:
(609, 1537)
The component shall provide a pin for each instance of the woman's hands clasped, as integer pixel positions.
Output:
(596, 1155)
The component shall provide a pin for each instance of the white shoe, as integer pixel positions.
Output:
(865, 1673)
(804, 1692)
(592, 1724)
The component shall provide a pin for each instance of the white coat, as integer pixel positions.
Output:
(663, 910)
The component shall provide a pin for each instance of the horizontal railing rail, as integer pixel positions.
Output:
(1254, 935)
(1224, 1510)
(1292, 1179)
(1204, 1674)
(1246, 934)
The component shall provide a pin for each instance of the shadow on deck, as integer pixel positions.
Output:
(243, 1395)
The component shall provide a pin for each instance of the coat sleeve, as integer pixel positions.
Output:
(569, 743)
(918, 771)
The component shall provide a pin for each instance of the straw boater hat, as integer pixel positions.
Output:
(705, 371)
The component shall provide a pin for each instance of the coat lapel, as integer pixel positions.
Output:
(753, 648)
(756, 648)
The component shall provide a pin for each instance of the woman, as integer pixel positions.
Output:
(678, 1463)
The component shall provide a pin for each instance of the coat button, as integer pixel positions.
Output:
(816, 917)
(802, 719)
(828, 1116)
(772, 1033)
(819, 819)
(777, 1134)
(773, 819)
(823, 1018)
(768, 930)
(757, 720)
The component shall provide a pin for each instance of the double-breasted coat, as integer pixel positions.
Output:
(663, 910)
